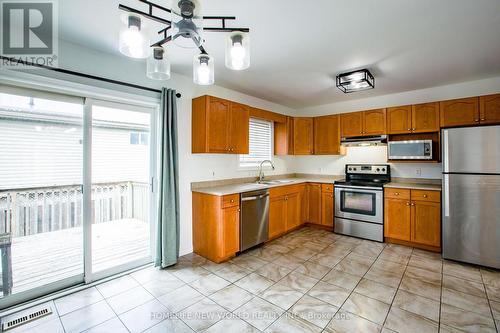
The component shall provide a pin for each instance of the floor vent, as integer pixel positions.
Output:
(16, 322)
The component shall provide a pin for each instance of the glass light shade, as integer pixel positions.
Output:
(133, 42)
(187, 23)
(238, 51)
(203, 70)
(158, 66)
(355, 81)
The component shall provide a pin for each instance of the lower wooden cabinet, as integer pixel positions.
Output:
(314, 193)
(277, 216)
(327, 209)
(216, 226)
(286, 209)
(413, 217)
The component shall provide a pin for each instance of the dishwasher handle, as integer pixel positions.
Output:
(258, 197)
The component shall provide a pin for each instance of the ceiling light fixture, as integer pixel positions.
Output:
(355, 81)
(185, 27)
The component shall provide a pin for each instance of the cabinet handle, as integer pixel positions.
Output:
(413, 204)
(413, 129)
(231, 200)
(483, 119)
(407, 203)
(409, 129)
(476, 120)
(425, 195)
(396, 193)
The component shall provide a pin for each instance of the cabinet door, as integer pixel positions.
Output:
(425, 118)
(218, 118)
(304, 203)
(314, 203)
(459, 112)
(326, 135)
(303, 136)
(351, 124)
(230, 231)
(426, 223)
(327, 209)
(490, 109)
(239, 129)
(277, 216)
(292, 210)
(374, 122)
(397, 221)
(399, 119)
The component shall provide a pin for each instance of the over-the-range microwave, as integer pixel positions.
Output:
(410, 150)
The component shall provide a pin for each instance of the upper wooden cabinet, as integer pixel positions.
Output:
(351, 124)
(327, 135)
(372, 122)
(459, 112)
(420, 118)
(219, 126)
(283, 137)
(425, 118)
(489, 109)
(303, 136)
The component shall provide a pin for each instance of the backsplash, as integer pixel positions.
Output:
(334, 165)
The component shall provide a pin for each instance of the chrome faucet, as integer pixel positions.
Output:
(261, 174)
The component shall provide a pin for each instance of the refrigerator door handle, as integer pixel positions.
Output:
(445, 149)
(446, 195)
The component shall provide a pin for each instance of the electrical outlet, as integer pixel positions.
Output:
(320, 170)
(213, 173)
(418, 171)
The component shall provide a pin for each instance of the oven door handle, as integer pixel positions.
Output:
(380, 189)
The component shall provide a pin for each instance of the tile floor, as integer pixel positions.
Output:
(307, 281)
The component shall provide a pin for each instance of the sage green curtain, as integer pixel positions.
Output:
(167, 249)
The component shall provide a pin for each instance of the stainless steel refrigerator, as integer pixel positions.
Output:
(471, 195)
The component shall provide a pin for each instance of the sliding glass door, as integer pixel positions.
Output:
(76, 200)
(121, 160)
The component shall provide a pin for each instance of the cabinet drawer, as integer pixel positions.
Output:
(327, 188)
(230, 200)
(423, 195)
(397, 193)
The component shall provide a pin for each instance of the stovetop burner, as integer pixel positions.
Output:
(366, 175)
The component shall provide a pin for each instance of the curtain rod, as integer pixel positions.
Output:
(88, 76)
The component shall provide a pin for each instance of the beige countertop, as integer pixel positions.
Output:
(247, 187)
(220, 188)
(415, 186)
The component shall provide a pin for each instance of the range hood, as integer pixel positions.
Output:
(364, 141)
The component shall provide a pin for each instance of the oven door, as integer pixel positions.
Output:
(359, 204)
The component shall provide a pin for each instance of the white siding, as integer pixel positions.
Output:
(36, 154)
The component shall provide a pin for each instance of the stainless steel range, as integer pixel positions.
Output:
(359, 201)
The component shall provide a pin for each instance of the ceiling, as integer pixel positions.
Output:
(298, 46)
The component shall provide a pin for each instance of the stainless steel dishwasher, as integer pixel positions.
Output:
(254, 221)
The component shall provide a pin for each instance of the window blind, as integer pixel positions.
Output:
(261, 143)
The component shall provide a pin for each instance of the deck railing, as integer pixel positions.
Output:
(32, 211)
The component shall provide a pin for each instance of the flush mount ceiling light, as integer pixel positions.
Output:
(184, 26)
(355, 81)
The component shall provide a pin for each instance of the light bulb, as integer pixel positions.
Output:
(132, 41)
(204, 73)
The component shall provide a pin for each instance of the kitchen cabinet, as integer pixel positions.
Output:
(293, 211)
(374, 122)
(489, 110)
(327, 135)
(277, 216)
(420, 118)
(364, 123)
(283, 137)
(303, 136)
(399, 119)
(351, 124)
(219, 126)
(327, 205)
(425, 118)
(314, 192)
(460, 112)
(413, 217)
(216, 226)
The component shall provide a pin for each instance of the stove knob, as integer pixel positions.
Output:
(378, 169)
(383, 169)
(350, 169)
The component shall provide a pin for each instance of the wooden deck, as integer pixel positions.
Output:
(48, 257)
